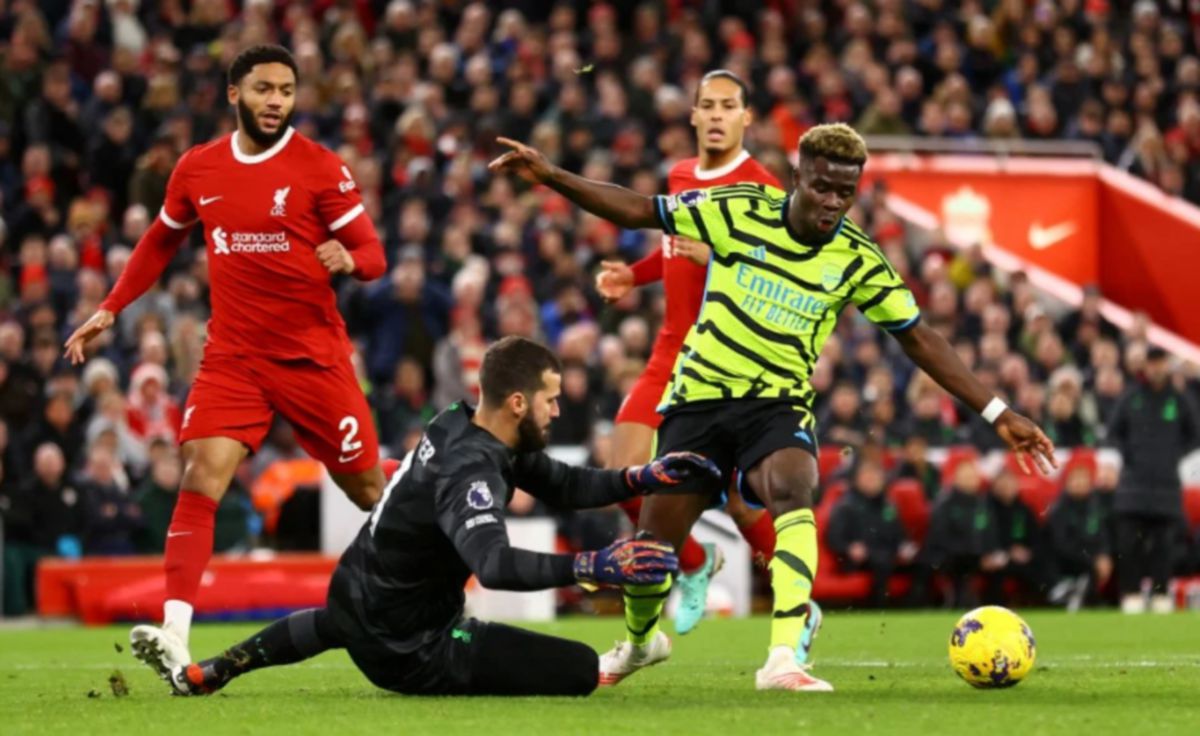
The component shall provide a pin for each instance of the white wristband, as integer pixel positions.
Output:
(993, 410)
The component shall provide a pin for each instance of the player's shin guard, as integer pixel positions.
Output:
(793, 569)
(643, 608)
(188, 549)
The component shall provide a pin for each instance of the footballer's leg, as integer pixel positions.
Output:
(297, 637)
(512, 661)
(755, 524)
(668, 517)
(787, 478)
(209, 465)
(633, 444)
(226, 416)
(333, 423)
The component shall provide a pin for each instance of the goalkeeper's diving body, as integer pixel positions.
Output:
(782, 269)
(396, 598)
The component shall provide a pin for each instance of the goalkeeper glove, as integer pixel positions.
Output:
(637, 561)
(670, 470)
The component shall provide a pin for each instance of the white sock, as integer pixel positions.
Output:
(177, 616)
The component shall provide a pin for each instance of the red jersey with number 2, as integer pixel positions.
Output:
(263, 217)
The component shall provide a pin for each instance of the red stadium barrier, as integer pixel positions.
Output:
(100, 590)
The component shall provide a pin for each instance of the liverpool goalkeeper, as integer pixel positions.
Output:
(396, 599)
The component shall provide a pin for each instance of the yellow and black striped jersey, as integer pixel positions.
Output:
(770, 300)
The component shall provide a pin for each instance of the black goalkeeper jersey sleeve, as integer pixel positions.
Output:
(472, 516)
(567, 486)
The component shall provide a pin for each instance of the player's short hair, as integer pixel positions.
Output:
(261, 54)
(515, 364)
(723, 74)
(837, 142)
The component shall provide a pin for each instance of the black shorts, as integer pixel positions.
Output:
(736, 435)
(479, 658)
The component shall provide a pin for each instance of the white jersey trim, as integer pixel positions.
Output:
(171, 222)
(717, 173)
(345, 219)
(258, 158)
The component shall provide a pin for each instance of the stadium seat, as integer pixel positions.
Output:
(1038, 492)
(954, 456)
(1085, 456)
(909, 499)
(829, 461)
(1191, 506)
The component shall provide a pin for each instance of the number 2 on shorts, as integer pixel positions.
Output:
(349, 425)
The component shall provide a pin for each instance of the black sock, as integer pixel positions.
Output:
(302, 635)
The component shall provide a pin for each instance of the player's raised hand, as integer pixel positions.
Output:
(524, 161)
(97, 323)
(693, 250)
(1027, 441)
(671, 470)
(335, 258)
(639, 561)
(614, 281)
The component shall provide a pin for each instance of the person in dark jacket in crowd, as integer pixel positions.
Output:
(1077, 541)
(962, 539)
(1153, 427)
(43, 517)
(1017, 534)
(113, 517)
(865, 531)
(915, 464)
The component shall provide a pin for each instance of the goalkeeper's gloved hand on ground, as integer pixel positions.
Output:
(670, 470)
(637, 561)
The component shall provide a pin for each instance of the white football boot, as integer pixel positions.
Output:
(781, 672)
(625, 658)
(161, 649)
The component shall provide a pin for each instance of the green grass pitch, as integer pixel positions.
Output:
(1096, 673)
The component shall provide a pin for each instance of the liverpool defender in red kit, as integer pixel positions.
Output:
(270, 202)
(720, 117)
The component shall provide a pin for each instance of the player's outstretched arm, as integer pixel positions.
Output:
(149, 259)
(930, 351)
(616, 204)
(572, 487)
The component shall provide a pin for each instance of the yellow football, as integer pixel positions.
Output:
(992, 647)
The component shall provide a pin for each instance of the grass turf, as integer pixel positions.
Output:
(1096, 673)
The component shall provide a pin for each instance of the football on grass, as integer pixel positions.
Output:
(992, 647)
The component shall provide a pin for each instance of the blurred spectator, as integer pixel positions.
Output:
(58, 509)
(112, 517)
(1017, 535)
(58, 425)
(915, 464)
(843, 423)
(962, 538)
(865, 531)
(156, 499)
(1153, 427)
(402, 404)
(1077, 541)
(152, 411)
(407, 316)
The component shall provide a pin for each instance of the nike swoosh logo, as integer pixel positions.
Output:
(346, 459)
(210, 200)
(1041, 238)
(177, 534)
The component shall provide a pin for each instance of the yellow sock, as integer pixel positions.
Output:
(793, 569)
(643, 608)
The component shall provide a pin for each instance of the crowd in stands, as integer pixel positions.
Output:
(98, 99)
